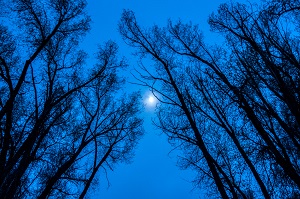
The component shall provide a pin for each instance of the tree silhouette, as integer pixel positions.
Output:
(233, 109)
(60, 121)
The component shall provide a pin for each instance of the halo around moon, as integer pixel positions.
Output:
(150, 100)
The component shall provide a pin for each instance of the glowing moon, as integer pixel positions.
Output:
(151, 99)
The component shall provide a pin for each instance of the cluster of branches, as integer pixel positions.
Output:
(233, 109)
(60, 119)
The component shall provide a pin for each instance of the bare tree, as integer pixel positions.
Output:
(233, 109)
(60, 119)
(150, 43)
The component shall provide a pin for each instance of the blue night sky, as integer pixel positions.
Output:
(153, 173)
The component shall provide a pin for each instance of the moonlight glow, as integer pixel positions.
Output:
(150, 101)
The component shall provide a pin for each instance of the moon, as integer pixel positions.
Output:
(151, 99)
